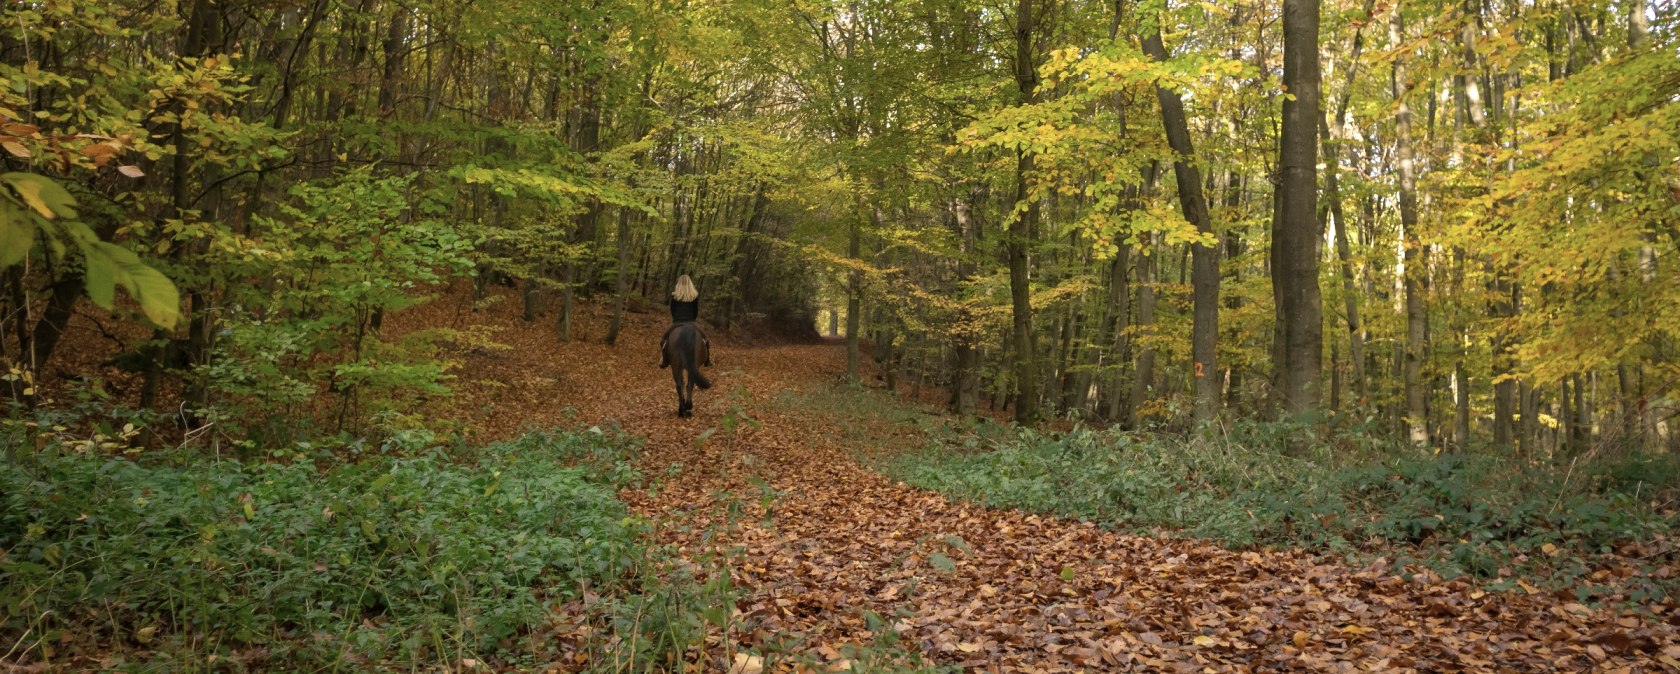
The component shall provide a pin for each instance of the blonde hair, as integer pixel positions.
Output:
(685, 291)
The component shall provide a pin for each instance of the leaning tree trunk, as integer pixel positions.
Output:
(1205, 277)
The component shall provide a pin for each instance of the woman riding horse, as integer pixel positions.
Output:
(684, 346)
(685, 308)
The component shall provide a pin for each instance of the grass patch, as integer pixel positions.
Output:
(1486, 516)
(389, 563)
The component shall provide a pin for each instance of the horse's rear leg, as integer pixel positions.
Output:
(682, 403)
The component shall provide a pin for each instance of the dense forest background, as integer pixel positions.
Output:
(1456, 219)
(327, 331)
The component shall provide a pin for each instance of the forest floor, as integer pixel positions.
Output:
(829, 554)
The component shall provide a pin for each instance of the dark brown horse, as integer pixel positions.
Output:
(682, 351)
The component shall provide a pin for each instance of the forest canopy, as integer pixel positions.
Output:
(1456, 218)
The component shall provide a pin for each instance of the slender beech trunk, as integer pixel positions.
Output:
(1143, 376)
(1119, 292)
(621, 280)
(1473, 116)
(1504, 388)
(854, 299)
(1233, 301)
(1331, 136)
(967, 352)
(1416, 412)
(1120, 295)
(199, 30)
(1022, 224)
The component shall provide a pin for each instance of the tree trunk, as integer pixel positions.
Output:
(396, 39)
(1581, 432)
(577, 271)
(1331, 137)
(1504, 389)
(199, 30)
(1022, 224)
(1417, 414)
(1143, 376)
(1120, 296)
(621, 284)
(61, 304)
(1461, 406)
(1639, 25)
(1295, 230)
(529, 293)
(854, 300)
(1205, 331)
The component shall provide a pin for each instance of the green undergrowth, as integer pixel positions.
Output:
(169, 563)
(517, 556)
(1603, 531)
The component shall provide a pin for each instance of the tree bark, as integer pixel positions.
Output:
(61, 303)
(1120, 296)
(1205, 254)
(1143, 375)
(1022, 223)
(854, 300)
(577, 271)
(1639, 25)
(1295, 229)
(1331, 137)
(1416, 412)
(967, 377)
(621, 284)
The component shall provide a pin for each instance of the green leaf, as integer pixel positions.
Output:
(101, 281)
(109, 264)
(941, 562)
(158, 297)
(17, 235)
(43, 194)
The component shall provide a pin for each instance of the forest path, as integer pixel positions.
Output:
(989, 589)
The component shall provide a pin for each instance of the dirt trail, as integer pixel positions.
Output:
(996, 590)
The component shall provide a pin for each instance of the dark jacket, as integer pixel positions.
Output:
(685, 312)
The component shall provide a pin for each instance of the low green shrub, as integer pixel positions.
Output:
(389, 562)
(1465, 514)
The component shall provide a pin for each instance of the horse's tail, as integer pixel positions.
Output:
(699, 380)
